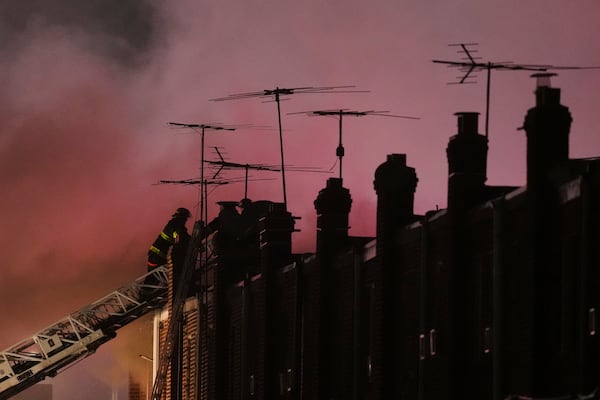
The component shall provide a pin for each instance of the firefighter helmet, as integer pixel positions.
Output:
(182, 213)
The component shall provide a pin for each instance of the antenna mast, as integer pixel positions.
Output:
(471, 64)
(202, 128)
(276, 94)
(340, 152)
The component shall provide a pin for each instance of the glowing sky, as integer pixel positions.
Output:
(88, 87)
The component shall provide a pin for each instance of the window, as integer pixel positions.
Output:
(487, 340)
(432, 342)
(422, 347)
(251, 385)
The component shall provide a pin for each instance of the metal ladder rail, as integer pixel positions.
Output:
(179, 296)
(118, 308)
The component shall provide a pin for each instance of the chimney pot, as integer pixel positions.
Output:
(467, 122)
(334, 183)
(396, 157)
(542, 79)
(545, 94)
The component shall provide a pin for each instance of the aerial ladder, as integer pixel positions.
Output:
(78, 335)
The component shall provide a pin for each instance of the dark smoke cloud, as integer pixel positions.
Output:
(79, 151)
(74, 157)
(124, 30)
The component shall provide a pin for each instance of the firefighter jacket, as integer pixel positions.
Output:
(173, 233)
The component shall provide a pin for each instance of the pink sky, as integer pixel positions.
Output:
(85, 136)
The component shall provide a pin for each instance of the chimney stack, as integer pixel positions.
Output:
(395, 184)
(333, 208)
(467, 163)
(547, 126)
(276, 229)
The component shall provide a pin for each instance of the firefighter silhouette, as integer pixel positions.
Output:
(174, 235)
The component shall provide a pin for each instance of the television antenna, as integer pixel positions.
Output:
(196, 181)
(223, 164)
(470, 64)
(339, 152)
(202, 128)
(276, 94)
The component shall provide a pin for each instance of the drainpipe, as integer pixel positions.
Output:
(423, 300)
(498, 206)
(357, 301)
(200, 310)
(244, 339)
(583, 301)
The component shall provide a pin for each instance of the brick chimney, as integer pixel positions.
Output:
(547, 126)
(395, 184)
(467, 163)
(276, 229)
(333, 208)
